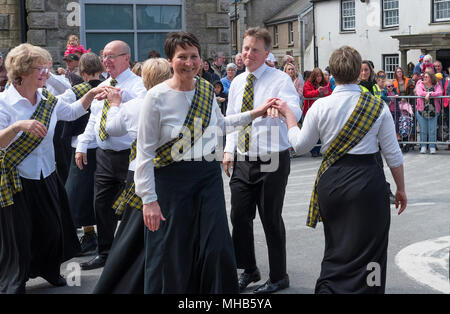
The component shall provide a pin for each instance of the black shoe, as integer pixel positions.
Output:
(88, 243)
(57, 282)
(271, 287)
(246, 279)
(97, 262)
(315, 154)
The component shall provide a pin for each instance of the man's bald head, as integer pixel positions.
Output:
(116, 57)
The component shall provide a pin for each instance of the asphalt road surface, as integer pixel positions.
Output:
(419, 241)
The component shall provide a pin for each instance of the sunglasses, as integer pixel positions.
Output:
(390, 86)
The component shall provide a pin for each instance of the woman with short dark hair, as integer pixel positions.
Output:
(188, 245)
(350, 195)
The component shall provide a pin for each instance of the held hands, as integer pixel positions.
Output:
(152, 216)
(264, 109)
(114, 97)
(102, 92)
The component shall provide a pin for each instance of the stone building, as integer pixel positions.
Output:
(144, 25)
(250, 13)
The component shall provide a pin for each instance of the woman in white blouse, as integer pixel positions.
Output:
(352, 196)
(187, 240)
(124, 269)
(36, 230)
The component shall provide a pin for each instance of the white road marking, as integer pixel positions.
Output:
(420, 204)
(427, 262)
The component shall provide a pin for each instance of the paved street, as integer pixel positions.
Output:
(418, 257)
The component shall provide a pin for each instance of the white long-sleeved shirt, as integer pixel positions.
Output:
(124, 120)
(14, 107)
(132, 87)
(57, 84)
(161, 118)
(268, 135)
(328, 116)
(69, 97)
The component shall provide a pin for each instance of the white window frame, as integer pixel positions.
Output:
(386, 10)
(390, 63)
(435, 12)
(135, 30)
(290, 33)
(346, 18)
(275, 35)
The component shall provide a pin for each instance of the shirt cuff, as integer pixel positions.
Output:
(81, 148)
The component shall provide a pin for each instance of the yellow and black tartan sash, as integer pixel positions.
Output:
(11, 157)
(197, 120)
(247, 104)
(128, 196)
(81, 89)
(366, 112)
(106, 105)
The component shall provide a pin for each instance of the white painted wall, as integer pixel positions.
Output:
(369, 38)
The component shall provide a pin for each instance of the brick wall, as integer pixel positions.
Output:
(9, 25)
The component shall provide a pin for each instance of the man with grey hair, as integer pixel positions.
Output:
(112, 152)
(239, 61)
(218, 64)
(231, 74)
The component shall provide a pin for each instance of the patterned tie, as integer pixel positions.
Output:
(102, 131)
(247, 104)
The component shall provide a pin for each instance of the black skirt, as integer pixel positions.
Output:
(80, 190)
(192, 251)
(124, 269)
(36, 234)
(354, 206)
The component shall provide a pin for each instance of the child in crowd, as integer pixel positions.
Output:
(74, 46)
(221, 97)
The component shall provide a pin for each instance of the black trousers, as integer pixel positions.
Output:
(110, 176)
(251, 188)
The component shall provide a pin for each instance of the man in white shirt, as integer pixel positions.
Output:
(112, 152)
(263, 165)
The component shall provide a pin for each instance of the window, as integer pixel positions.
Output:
(390, 63)
(291, 33)
(347, 15)
(390, 13)
(441, 10)
(275, 35)
(142, 24)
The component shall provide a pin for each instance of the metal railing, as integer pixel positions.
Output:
(408, 120)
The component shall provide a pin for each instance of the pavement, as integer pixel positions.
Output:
(419, 240)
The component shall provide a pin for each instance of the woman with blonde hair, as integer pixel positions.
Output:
(124, 268)
(36, 228)
(292, 71)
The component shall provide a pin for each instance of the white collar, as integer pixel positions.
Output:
(14, 96)
(259, 71)
(347, 88)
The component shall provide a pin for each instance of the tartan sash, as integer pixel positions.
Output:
(191, 131)
(247, 104)
(106, 105)
(81, 89)
(366, 112)
(128, 196)
(12, 156)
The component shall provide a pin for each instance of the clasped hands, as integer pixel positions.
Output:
(272, 107)
(113, 94)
